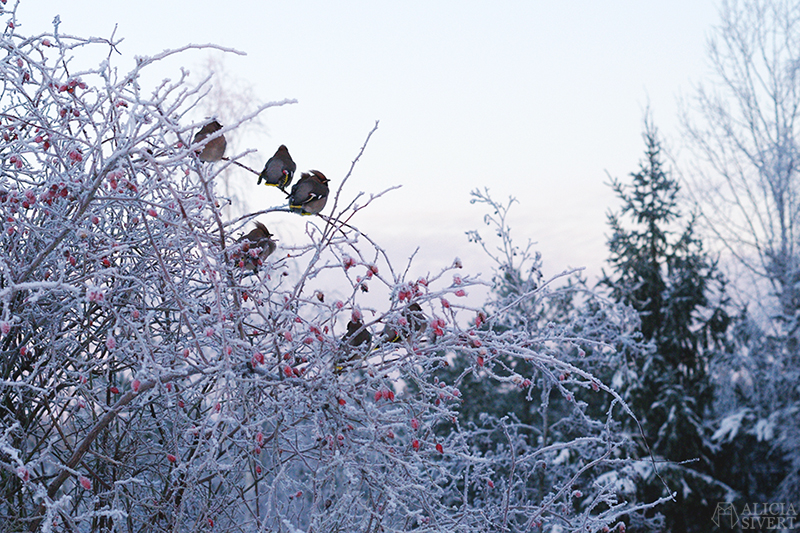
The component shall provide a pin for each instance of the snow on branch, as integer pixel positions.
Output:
(159, 372)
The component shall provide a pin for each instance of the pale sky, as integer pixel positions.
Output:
(532, 99)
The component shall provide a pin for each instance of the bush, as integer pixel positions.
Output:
(149, 383)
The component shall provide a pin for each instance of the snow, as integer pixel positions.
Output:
(730, 425)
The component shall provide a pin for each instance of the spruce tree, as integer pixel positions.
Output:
(659, 268)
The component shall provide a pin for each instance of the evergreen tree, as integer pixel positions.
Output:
(659, 268)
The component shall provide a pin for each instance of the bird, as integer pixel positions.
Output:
(279, 169)
(215, 148)
(255, 248)
(309, 194)
(415, 322)
(357, 334)
(358, 339)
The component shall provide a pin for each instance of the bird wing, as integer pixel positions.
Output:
(274, 169)
(301, 193)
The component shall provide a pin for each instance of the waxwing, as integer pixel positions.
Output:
(309, 194)
(215, 148)
(279, 169)
(356, 343)
(357, 334)
(416, 322)
(256, 246)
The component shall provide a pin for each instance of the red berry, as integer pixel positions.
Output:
(415, 444)
(440, 448)
(85, 483)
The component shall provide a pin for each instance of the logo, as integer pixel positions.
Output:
(756, 516)
(725, 514)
